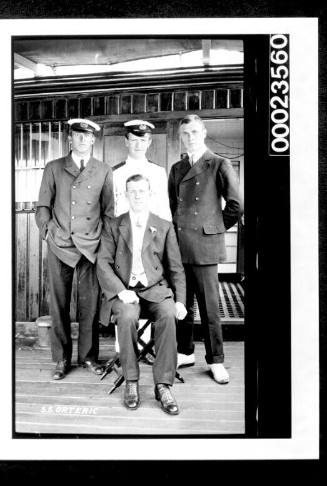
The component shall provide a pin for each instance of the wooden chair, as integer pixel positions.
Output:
(145, 347)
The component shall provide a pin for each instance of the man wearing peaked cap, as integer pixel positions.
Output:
(138, 138)
(139, 127)
(75, 199)
(83, 125)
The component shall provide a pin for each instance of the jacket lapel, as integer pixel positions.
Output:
(90, 168)
(151, 230)
(71, 167)
(199, 167)
(125, 229)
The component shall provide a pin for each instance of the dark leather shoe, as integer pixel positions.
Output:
(93, 366)
(131, 395)
(168, 402)
(61, 370)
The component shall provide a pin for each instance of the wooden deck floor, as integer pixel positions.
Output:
(80, 405)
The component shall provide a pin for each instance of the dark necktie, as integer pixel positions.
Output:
(82, 166)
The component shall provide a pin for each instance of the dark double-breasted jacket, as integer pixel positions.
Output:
(196, 194)
(73, 207)
(160, 257)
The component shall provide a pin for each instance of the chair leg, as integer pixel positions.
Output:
(111, 364)
(147, 348)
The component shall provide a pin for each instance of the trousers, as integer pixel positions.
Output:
(202, 281)
(60, 283)
(162, 314)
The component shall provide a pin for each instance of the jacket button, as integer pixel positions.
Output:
(197, 183)
(88, 218)
(73, 217)
(196, 213)
(89, 202)
(72, 232)
(117, 266)
(181, 199)
(74, 187)
(179, 229)
(89, 187)
(73, 202)
(196, 198)
(86, 234)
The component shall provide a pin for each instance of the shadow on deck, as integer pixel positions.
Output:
(79, 404)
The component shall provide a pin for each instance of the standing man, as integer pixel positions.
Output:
(196, 187)
(138, 139)
(140, 269)
(76, 197)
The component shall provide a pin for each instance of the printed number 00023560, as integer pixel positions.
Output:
(279, 89)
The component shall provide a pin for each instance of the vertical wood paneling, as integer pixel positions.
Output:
(115, 150)
(21, 264)
(173, 143)
(33, 265)
(157, 149)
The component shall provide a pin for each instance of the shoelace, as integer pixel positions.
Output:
(132, 388)
(166, 395)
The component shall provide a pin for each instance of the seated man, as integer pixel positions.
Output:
(139, 269)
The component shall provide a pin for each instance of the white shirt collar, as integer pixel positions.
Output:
(130, 160)
(77, 159)
(139, 217)
(198, 154)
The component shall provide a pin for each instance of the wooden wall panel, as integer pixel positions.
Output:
(173, 144)
(32, 285)
(33, 267)
(21, 266)
(158, 149)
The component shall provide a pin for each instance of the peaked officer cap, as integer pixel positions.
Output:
(83, 125)
(138, 127)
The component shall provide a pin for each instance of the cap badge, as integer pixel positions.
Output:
(142, 127)
(84, 125)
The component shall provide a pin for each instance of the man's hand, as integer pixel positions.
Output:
(180, 311)
(128, 297)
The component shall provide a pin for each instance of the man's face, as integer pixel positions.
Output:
(138, 195)
(193, 135)
(137, 146)
(81, 142)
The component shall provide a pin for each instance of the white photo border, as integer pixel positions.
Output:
(304, 443)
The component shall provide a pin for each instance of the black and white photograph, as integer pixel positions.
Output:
(160, 238)
(144, 107)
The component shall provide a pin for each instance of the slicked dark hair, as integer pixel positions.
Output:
(136, 178)
(190, 118)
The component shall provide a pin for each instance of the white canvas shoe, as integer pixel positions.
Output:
(219, 373)
(184, 360)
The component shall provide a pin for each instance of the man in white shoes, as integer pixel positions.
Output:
(140, 270)
(196, 186)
